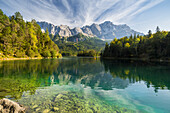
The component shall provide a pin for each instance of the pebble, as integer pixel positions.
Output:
(46, 111)
(35, 106)
(56, 108)
(37, 109)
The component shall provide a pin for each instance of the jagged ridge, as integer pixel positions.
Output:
(106, 30)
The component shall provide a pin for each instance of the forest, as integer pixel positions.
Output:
(78, 44)
(24, 39)
(151, 46)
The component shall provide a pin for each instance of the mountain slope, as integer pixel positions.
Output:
(74, 44)
(106, 30)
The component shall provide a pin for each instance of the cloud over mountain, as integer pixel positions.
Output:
(78, 12)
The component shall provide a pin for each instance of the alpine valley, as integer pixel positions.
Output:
(87, 40)
(84, 56)
(106, 30)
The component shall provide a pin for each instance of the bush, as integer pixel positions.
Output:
(37, 54)
(53, 53)
(46, 53)
(20, 54)
(59, 55)
(91, 53)
(66, 53)
(30, 53)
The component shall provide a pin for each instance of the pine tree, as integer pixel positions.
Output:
(149, 33)
(157, 29)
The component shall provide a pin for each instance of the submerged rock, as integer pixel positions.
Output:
(35, 106)
(59, 96)
(46, 111)
(8, 106)
(56, 108)
(37, 109)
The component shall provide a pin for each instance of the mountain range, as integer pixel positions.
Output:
(106, 30)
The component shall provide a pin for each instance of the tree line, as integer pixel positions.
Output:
(75, 45)
(89, 53)
(24, 39)
(150, 46)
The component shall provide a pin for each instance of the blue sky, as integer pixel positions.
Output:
(141, 15)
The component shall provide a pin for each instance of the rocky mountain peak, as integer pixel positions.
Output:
(96, 29)
(106, 30)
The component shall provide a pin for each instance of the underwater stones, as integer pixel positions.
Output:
(46, 111)
(37, 109)
(69, 102)
(55, 108)
(89, 111)
(57, 97)
(35, 106)
(8, 106)
(94, 109)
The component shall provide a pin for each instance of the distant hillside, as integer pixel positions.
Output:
(72, 45)
(106, 30)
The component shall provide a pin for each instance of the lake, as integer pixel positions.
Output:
(86, 85)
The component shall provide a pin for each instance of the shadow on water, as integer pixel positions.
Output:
(154, 74)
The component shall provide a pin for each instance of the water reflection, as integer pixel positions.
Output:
(17, 77)
(154, 74)
(86, 84)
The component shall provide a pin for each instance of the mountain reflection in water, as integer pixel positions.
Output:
(105, 77)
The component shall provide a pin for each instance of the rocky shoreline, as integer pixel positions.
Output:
(65, 102)
(9, 106)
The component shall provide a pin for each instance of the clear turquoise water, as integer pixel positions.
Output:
(86, 85)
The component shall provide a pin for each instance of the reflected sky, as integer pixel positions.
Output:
(134, 86)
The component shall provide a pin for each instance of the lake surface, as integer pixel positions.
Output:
(86, 85)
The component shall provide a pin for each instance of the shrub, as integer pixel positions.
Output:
(20, 54)
(53, 53)
(46, 53)
(30, 53)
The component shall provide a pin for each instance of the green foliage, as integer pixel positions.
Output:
(46, 53)
(150, 46)
(90, 53)
(30, 53)
(53, 53)
(157, 29)
(74, 44)
(20, 54)
(24, 39)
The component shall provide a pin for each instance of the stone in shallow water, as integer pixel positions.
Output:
(56, 108)
(46, 111)
(59, 95)
(8, 106)
(35, 106)
(37, 109)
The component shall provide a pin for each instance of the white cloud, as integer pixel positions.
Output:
(78, 12)
(150, 4)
